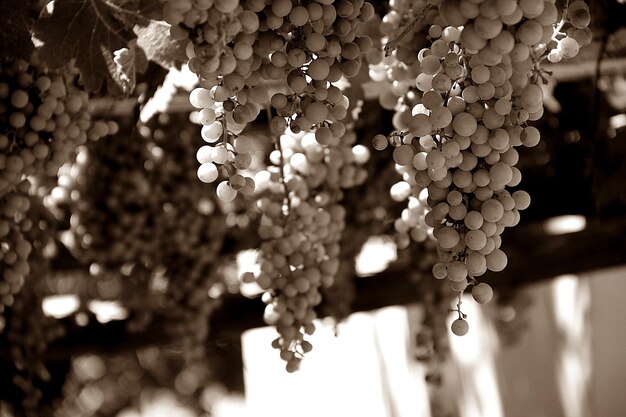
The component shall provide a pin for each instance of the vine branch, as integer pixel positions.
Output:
(393, 44)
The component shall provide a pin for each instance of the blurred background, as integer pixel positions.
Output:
(550, 345)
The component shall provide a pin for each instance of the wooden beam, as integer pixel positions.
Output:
(534, 256)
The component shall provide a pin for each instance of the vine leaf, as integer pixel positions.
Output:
(15, 40)
(89, 31)
(159, 46)
(124, 64)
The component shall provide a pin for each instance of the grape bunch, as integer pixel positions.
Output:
(221, 35)
(15, 247)
(301, 225)
(480, 83)
(44, 116)
(29, 331)
(312, 47)
(130, 213)
(127, 198)
(235, 47)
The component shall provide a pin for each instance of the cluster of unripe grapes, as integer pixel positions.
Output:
(124, 196)
(28, 329)
(226, 153)
(43, 117)
(237, 47)
(221, 36)
(15, 247)
(477, 88)
(129, 214)
(301, 231)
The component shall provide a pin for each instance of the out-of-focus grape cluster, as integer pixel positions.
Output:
(138, 209)
(43, 118)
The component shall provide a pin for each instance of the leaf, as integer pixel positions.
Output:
(15, 38)
(84, 30)
(159, 46)
(122, 67)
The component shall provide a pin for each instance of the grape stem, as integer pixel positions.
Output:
(278, 146)
(13, 144)
(458, 306)
(393, 44)
(225, 133)
(559, 26)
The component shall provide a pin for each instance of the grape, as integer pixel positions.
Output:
(482, 293)
(447, 237)
(403, 155)
(531, 8)
(459, 327)
(200, 98)
(555, 56)
(441, 117)
(487, 28)
(476, 263)
(430, 64)
(207, 172)
(464, 124)
(580, 18)
(522, 199)
(530, 136)
(475, 239)
(299, 16)
(316, 112)
(506, 7)
(379, 142)
(457, 272)
(496, 260)
(440, 271)
(530, 32)
(568, 47)
(432, 100)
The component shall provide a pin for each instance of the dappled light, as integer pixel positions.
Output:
(571, 298)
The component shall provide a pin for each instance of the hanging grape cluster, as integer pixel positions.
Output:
(28, 329)
(43, 117)
(479, 85)
(131, 212)
(15, 247)
(301, 227)
(237, 49)
(222, 35)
